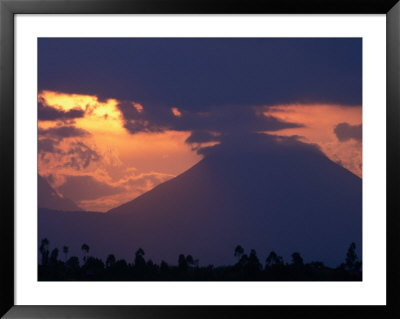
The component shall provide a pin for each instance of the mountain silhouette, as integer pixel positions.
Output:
(261, 192)
(48, 198)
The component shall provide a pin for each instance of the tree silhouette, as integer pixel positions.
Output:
(317, 265)
(149, 264)
(139, 259)
(44, 251)
(239, 251)
(73, 263)
(93, 266)
(253, 264)
(54, 257)
(140, 252)
(164, 266)
(244, 259)
(273, 259)
(85, 248)
(120, 264)
(65, 251)
(110, 261)
(247, 268)
(182, 263)
(297, 260)
(190, 260)
(352, 258)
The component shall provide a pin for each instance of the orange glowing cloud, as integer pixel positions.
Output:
(96, 112)
(176, 112)
(319, 122)
(138, 107)
(99, 146)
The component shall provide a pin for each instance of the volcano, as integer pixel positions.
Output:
(264, 193)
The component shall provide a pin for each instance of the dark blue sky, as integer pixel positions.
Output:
(202, 73)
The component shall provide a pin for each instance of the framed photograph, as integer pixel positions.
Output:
(174, 159)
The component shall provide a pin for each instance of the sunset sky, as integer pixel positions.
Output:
(116, 117)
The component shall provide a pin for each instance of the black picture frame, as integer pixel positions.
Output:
(9, 8)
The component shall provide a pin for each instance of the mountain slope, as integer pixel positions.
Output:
(48, 198)
(284, 196)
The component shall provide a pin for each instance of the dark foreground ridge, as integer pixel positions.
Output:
(247, 268)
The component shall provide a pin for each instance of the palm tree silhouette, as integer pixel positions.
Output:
(44, 251)
(248, 267)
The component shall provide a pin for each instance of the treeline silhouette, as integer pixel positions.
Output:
(247, 268)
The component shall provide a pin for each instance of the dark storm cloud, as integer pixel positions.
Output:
(62, 132)
(251, 144)
(199, 73)
(345, 132)
(135, 121)
(205, 126)
(201, 137)
(229, 119)
(80, 156)
(72, 188)
(47, 145)
(77, 156)
(46, 113)
(215, 83)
